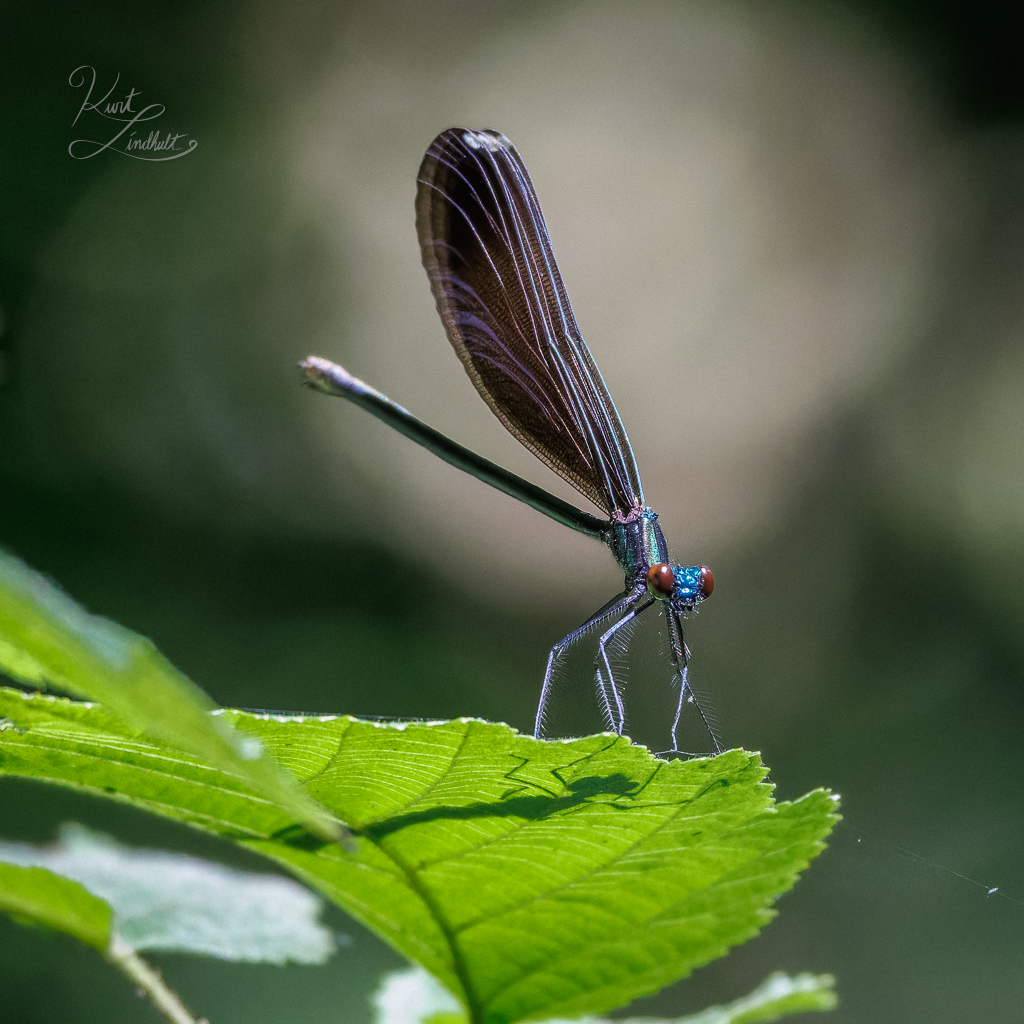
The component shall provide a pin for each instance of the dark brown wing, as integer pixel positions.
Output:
(486, 249)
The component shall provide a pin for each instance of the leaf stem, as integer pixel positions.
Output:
(147, 978)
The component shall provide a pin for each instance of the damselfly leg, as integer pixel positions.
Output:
(617, 606)
(681, 663)
(616, 722)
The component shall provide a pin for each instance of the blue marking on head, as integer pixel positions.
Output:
(687, 587)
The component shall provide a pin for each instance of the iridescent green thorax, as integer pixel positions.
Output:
(638, 543)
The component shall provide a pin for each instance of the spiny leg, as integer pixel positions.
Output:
(602, 656)
(614, 607)
(681, 660)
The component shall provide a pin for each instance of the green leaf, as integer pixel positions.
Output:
(47, 639)
(779, 995)
(171, 902)
(40, 897)
(416, 997)
(531, 877)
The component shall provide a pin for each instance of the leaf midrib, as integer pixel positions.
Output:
(451, 934)
(424, 893)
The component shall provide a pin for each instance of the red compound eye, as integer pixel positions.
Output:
(660, 579)
(707, 581)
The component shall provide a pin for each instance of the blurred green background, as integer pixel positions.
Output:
(793, 235)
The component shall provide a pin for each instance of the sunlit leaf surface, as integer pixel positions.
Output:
(533, 879)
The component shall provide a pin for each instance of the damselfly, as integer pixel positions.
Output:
(486, 250)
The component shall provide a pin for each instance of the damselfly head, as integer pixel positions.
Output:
(683, 586)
